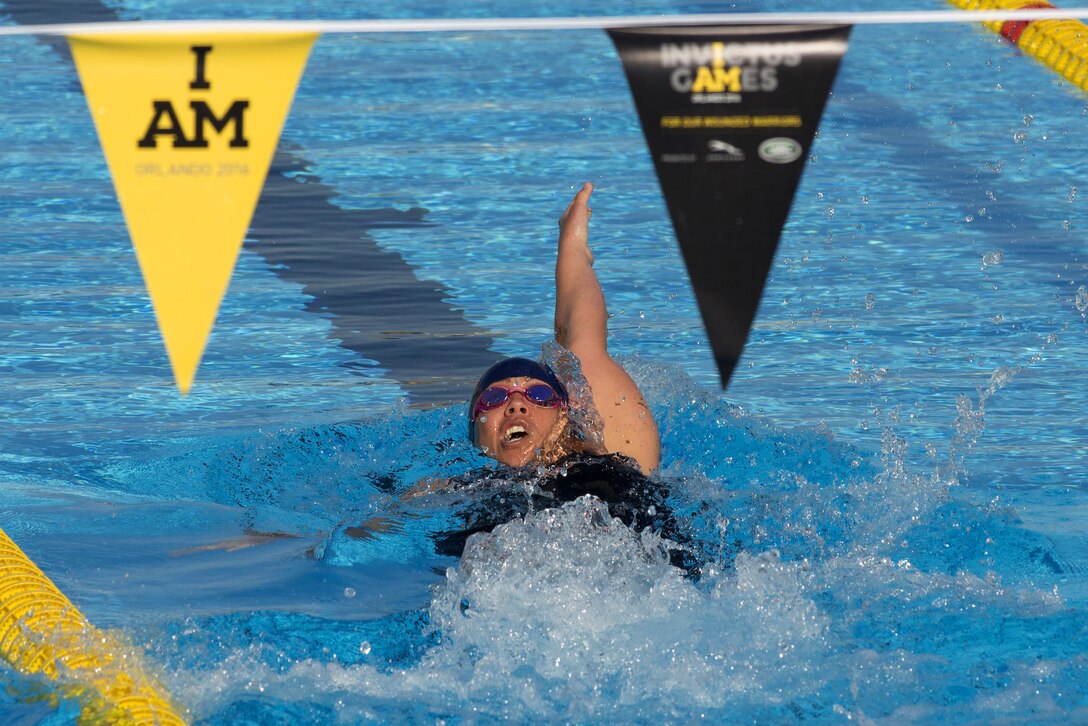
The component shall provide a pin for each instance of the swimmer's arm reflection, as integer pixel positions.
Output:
(392, 520)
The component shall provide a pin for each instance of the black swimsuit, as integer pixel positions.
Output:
(632, 497)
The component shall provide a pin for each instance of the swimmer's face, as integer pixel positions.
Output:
(518, 432)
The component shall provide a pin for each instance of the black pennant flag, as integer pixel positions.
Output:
(729, 114)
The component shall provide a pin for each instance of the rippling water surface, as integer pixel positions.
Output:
(889, 500)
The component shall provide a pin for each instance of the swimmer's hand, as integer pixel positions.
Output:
(574, 224)
(251, 538)
(371, 528)
(426, 486)
(392, 521)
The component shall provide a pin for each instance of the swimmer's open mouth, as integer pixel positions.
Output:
(515, 433)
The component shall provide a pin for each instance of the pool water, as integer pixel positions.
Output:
(889, 498)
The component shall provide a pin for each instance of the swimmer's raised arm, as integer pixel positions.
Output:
(581, 326)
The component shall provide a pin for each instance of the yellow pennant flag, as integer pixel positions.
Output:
(188, 125)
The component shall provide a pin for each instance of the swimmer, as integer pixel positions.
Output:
(519, 412)
(520, 415)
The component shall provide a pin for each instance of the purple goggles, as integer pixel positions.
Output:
(538, 394)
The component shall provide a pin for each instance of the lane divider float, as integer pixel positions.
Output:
(43, 634)
(1060, 44)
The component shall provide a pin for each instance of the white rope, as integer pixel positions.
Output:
(446, 25)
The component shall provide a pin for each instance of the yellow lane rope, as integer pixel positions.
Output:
(1060, 44)
(42, 633)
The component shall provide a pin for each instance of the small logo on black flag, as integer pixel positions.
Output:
(780, 150)
(729, 114)
(723, 151)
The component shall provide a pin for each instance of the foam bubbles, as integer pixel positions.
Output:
(576, 596)
(992, 258)
(570, 615)
(832, 584)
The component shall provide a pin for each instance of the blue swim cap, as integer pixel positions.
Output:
(513, 368)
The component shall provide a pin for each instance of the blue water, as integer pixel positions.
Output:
(890, 495)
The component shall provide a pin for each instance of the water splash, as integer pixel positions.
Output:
(970, 422)
(835, 583)
(992, 258)
(584, 417)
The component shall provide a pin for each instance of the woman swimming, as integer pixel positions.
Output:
(519, 413)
